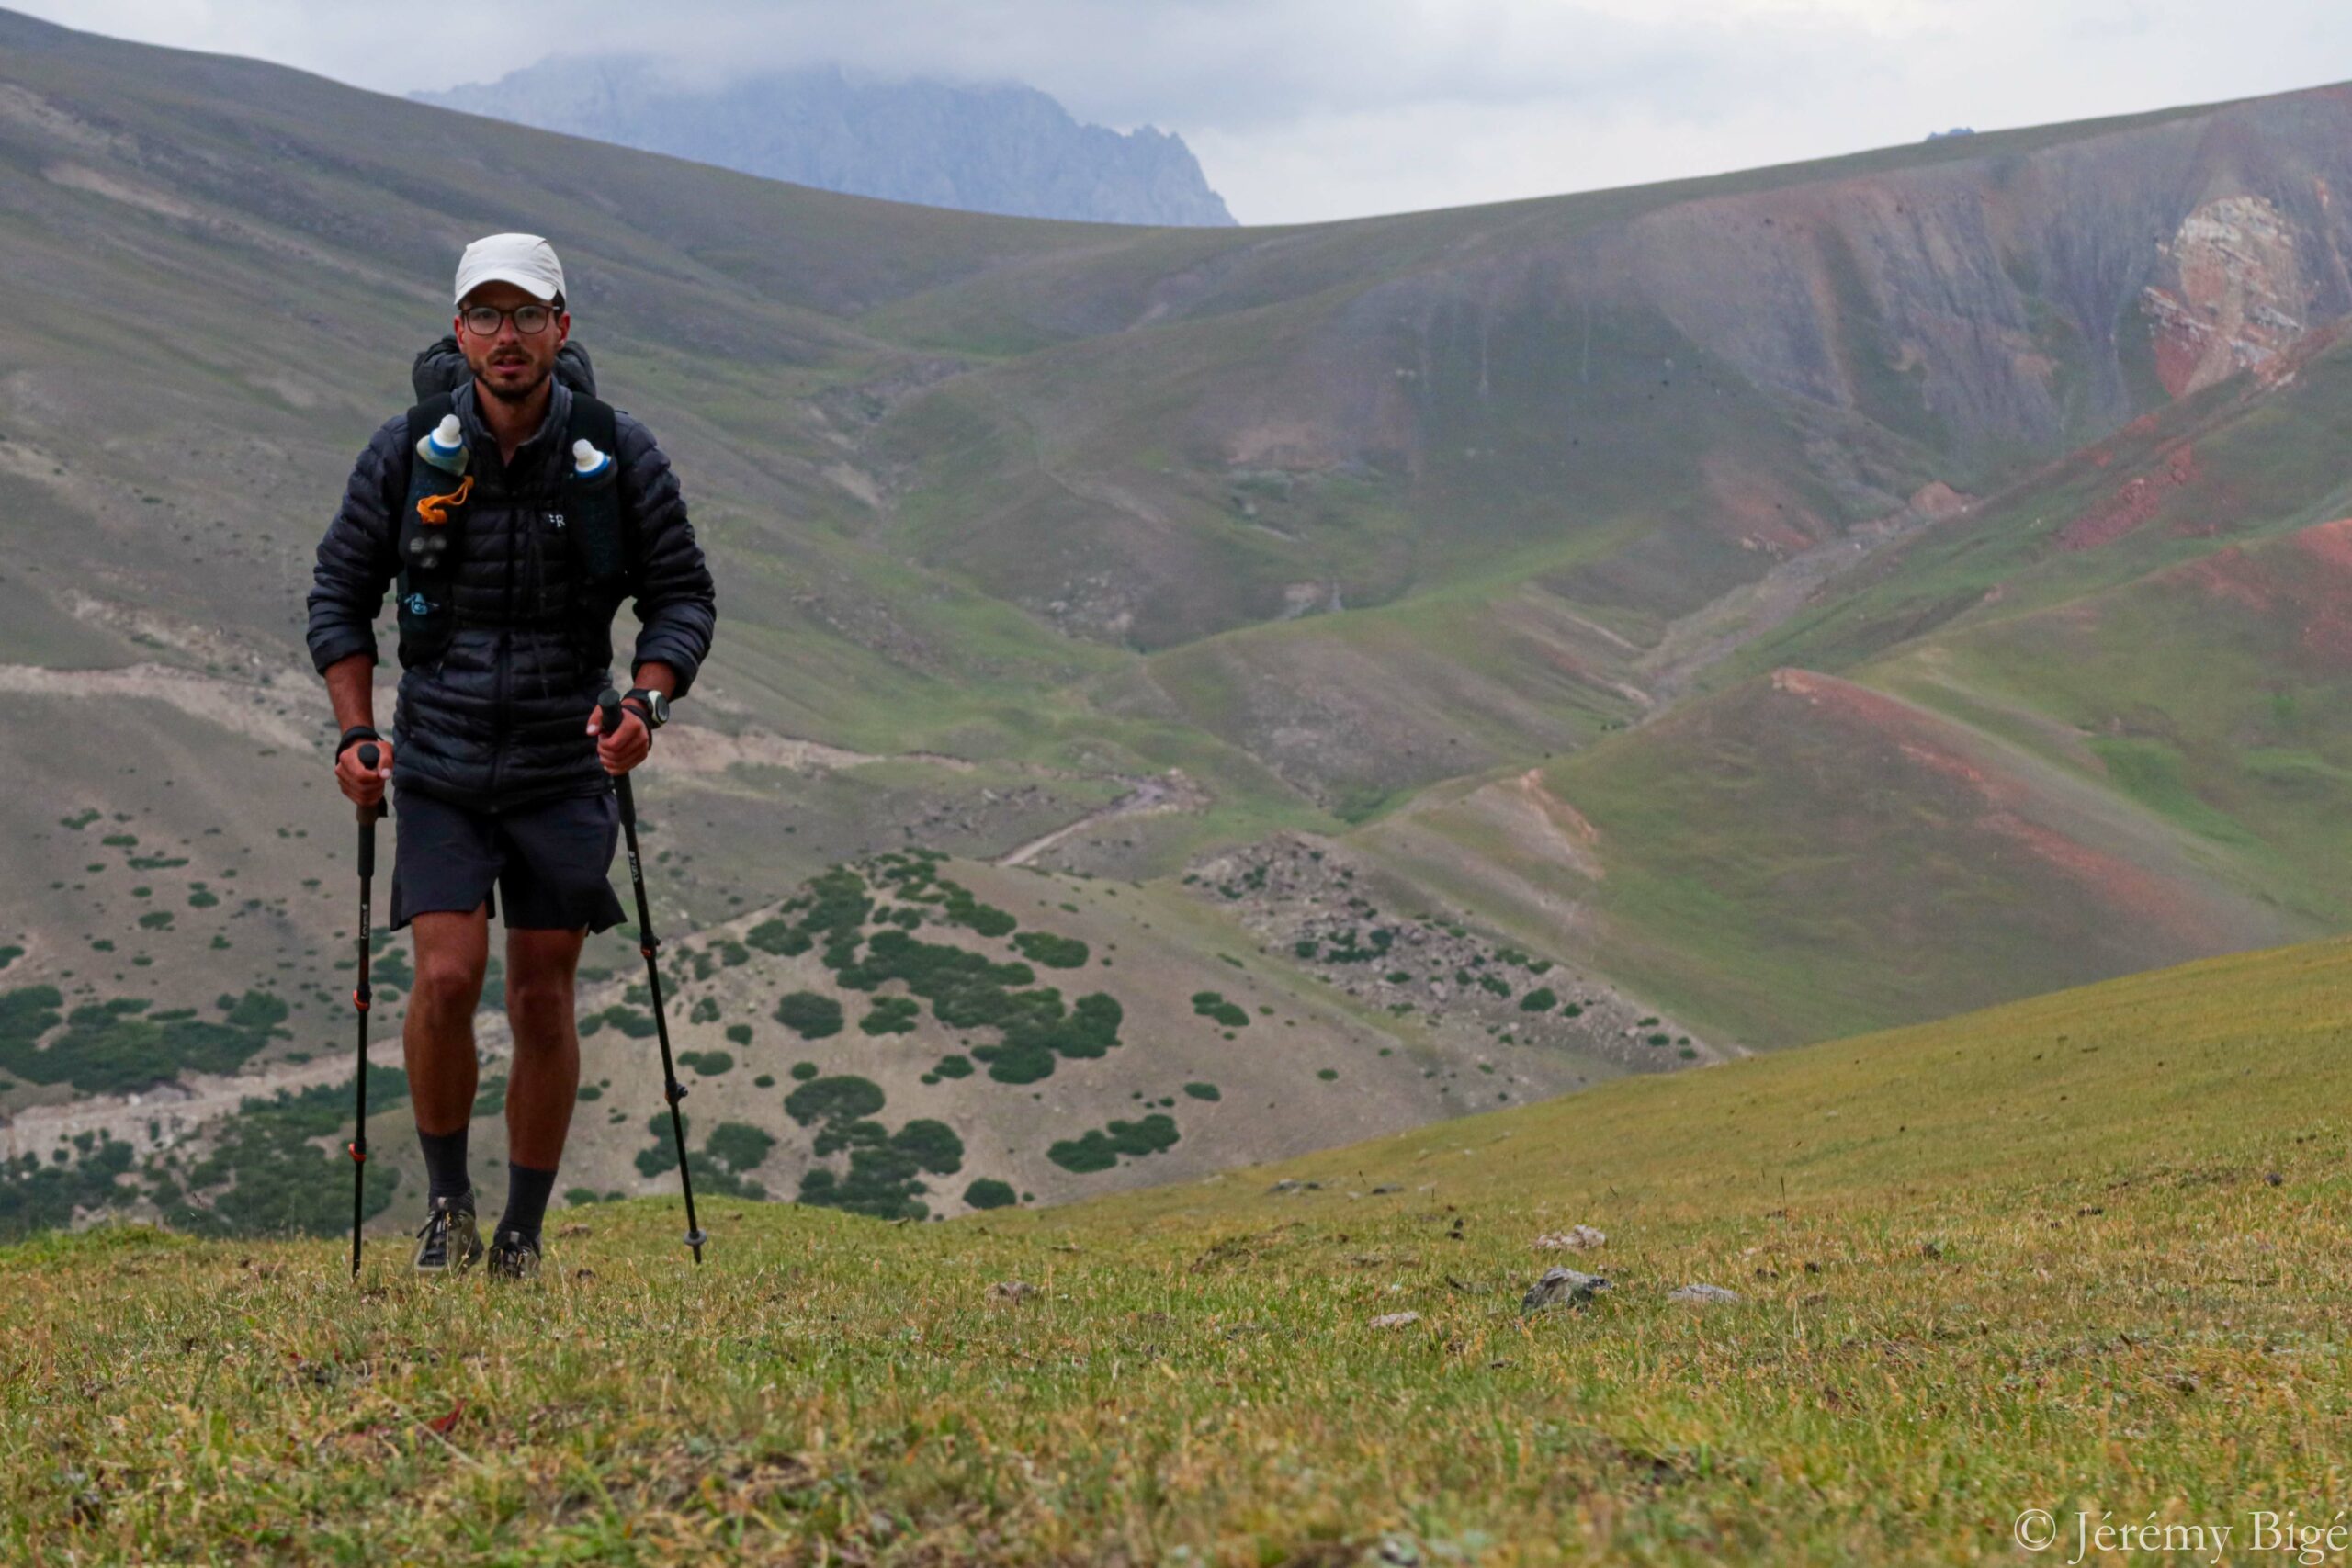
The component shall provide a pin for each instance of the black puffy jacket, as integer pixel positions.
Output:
(500, 719)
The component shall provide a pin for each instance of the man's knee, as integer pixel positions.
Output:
(539, 1005)
(446, 982)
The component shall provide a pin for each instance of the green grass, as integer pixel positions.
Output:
(2028, 1257)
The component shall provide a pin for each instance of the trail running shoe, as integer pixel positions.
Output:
(514, 1256)
(449, 1241)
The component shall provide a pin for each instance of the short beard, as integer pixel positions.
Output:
(512, 395)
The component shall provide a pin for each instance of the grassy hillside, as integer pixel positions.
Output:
(2078, 1254)
(2087, 726)
(909, 1036)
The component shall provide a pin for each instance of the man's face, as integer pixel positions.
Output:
(510, 364)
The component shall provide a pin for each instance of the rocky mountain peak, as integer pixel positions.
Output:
(1002, 148)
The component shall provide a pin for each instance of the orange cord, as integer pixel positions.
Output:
(435, 508)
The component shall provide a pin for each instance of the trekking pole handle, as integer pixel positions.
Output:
(608, 722)
(368, 815)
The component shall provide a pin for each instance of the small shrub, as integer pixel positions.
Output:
(1212, 1005)
(810, 1015)
(988, 1192)
(1101, 1150)
(891, 1015)
(738, 1145)
(1051, 950)
(838, 1098)
(630, 1022)
(779, 937)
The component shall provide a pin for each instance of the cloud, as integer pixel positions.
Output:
(1304, 109)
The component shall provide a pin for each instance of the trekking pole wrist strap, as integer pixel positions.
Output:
(355, 735)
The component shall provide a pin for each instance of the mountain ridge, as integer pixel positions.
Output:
(998, 148)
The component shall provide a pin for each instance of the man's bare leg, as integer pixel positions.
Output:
(544, 1082)
(437, 1042)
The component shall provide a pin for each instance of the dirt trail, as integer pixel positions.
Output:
(1718, 629)
(270, 713)
(181, 1110)
(291, 712)
(1172, 792)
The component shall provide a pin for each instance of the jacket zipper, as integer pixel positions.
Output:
(505, 674)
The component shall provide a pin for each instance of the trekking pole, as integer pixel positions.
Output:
(360, 997)
(608, 722)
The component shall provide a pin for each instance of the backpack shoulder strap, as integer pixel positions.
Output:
(592, 500)
(427, 618)
(428, 415)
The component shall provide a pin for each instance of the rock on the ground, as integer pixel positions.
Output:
(1011, 1291)
(1701, 1295)
(1562, 1287)
(1396, 1320)
(1575, 1238)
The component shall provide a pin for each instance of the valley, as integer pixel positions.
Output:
(1782, 605)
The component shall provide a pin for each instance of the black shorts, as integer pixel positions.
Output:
(552, 860)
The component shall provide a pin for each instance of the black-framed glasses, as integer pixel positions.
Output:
(483, 321)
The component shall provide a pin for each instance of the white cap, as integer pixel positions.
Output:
(524, 260)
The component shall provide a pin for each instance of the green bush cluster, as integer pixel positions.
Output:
(265, 1177)
(1053, 952)
(782, 938)
(1212, 1005)
(966, 991)
(891, 1015)
(838, 1099)
(738, 1145)
(117, 1048)
(914, 876)
(1348, 950)
(706, 1064)
(886, 1168)
(988, 1192)
(1539, 1000)
(38, 1197)
(811, 1015)
(715, 1166)
(1100, 1149)
(628, 1020)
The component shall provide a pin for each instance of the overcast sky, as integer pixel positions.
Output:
(1304, 109)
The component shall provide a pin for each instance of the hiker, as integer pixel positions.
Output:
(518, 512)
